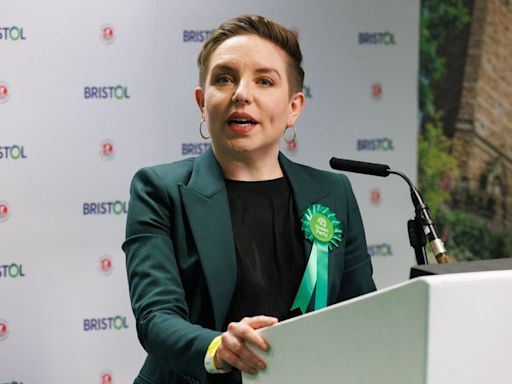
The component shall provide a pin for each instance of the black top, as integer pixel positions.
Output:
(269, 246)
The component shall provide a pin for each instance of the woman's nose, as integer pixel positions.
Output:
(243, 93)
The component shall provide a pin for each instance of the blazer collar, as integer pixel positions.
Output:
(306, 190)
(207, 178)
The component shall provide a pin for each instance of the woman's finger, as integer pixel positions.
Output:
(233, 350)
(257, 322)
(237, 346)
(234, 361)
(245, 331)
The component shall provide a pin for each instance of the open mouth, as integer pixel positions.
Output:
(242, 122)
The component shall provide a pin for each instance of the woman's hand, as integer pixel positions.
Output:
(234, 353)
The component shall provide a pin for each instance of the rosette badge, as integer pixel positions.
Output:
(322, 228)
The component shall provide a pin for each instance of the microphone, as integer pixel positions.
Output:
(422, 218)
(359, 167)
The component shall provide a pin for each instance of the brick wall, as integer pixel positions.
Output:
(483, 132)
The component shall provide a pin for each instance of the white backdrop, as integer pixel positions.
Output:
(66, 160)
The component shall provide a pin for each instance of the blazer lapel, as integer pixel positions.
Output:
(306, 192)
(206, 205)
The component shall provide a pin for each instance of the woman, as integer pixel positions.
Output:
(217, 246)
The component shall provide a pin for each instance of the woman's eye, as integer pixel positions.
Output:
(265, 81)
(223, 79)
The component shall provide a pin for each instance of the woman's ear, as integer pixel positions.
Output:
(199, 95)
(296, 106)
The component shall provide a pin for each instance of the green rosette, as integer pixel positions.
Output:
(323, 229)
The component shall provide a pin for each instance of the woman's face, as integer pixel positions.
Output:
(246, 99)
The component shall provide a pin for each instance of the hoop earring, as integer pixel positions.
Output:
(292, 140)
(201, 125)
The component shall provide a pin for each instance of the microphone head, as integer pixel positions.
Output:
(373, 169)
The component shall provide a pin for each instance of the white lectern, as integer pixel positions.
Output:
(447, 329)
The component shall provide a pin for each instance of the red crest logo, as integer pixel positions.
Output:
(4, 211)
(107, 34)
(106, 378)
(107, 150)
(105, 265)
(4, 92)
(375, 196)
(4, 330)
(377, 90)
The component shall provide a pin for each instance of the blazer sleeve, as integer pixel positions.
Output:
(156, 290)
(357, 274)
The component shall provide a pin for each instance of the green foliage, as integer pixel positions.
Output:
(437, 18)
(438, 169)
(469, 238)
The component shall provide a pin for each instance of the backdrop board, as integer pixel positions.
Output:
(91, 91)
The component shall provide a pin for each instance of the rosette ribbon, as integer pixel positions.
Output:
(322, 228)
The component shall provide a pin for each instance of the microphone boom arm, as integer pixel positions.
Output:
(421, 228)
(423, 218)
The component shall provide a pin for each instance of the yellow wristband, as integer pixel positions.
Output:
(209, 358)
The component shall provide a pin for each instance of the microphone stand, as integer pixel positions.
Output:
(422, 228)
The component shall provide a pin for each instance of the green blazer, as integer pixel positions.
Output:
(181, 261)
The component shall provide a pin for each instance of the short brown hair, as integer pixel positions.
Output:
(265, 28)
